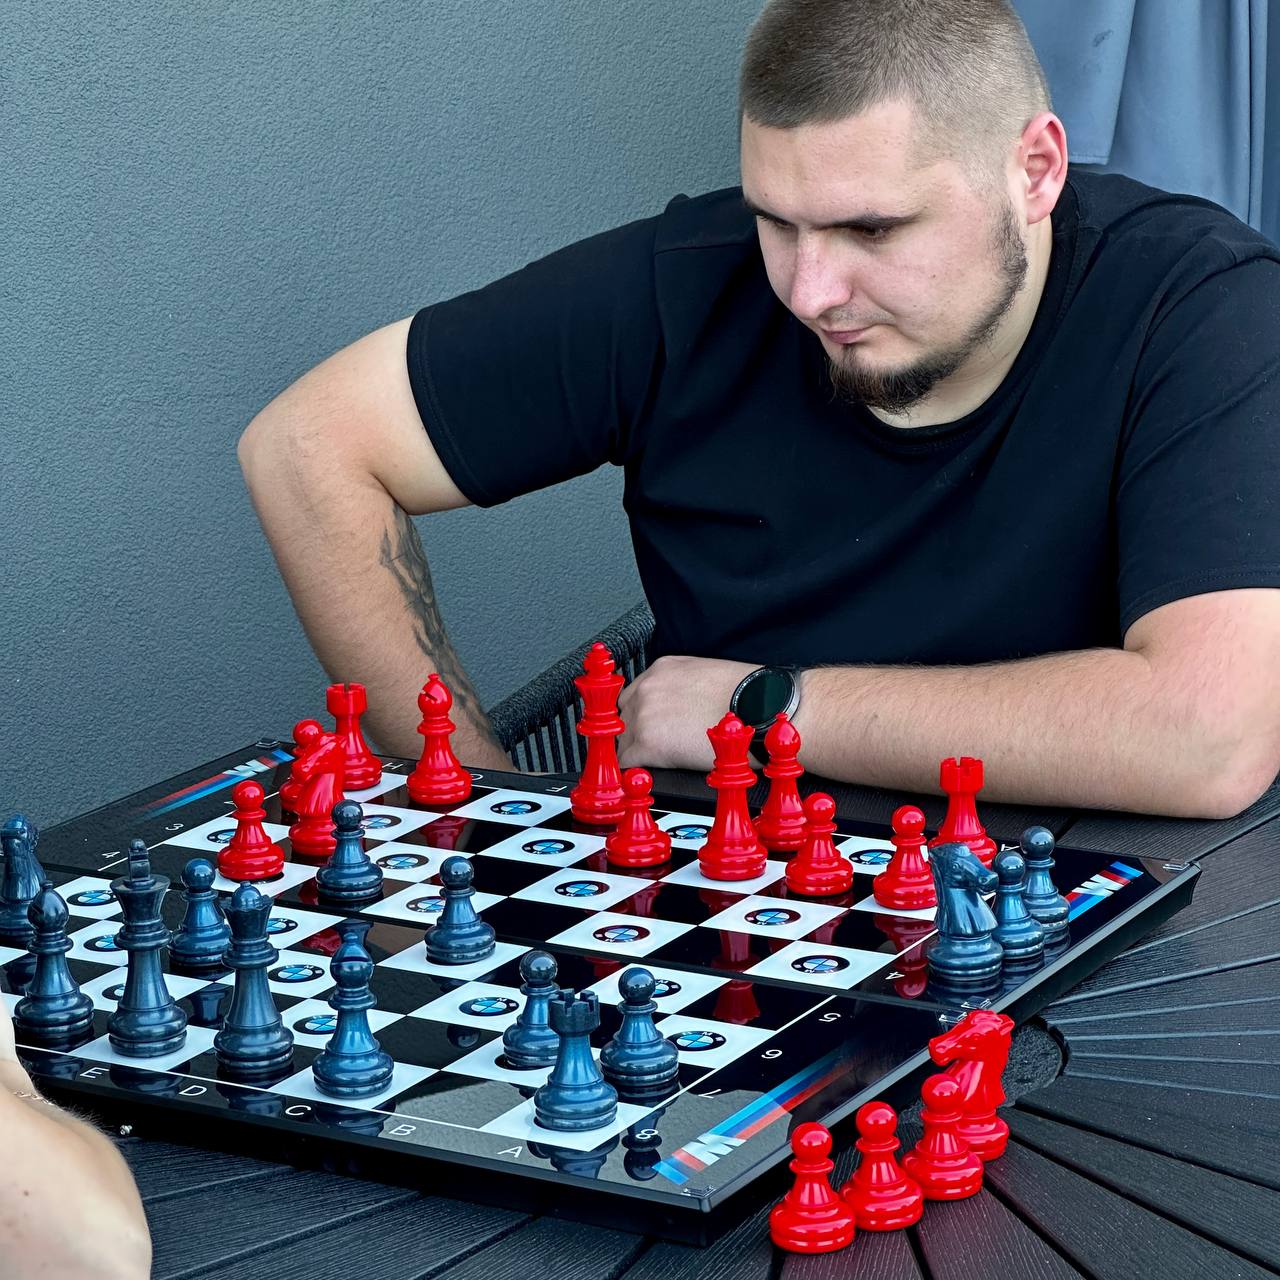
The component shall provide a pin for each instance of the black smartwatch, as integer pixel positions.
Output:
(760, 695)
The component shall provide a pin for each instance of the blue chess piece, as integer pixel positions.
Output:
(640, 1063)
(147, 1022)
(254, 1043)
(1043, 901)
(350, 875)
(576, 1096)
(529, 1042)
(21, 880)
(201, 939)
(460, 937)
(54, 1012)
(352, 1064)
(1020, 936)
(965, 957)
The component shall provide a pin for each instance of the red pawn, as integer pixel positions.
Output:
(732, 850)
(818, 871)
(881, 1195)
(437, 778)
(597, 799)
(314, 787)
(906, 884)
(251, 854)
(941, 1162)
(962, 780)
(811, 1218)
(637, 841)
(978, 1048)
(780, 825)
(347, 703)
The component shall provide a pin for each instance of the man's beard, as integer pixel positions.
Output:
(895, 390)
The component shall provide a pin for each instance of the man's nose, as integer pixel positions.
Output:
(819, 284)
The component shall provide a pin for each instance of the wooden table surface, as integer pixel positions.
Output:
(1145, 1119)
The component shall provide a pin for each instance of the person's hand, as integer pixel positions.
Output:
(669, 707)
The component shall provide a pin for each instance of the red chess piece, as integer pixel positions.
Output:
(881, 1195)
(316, 786)
(962, 780)
(637, 841)
(941, 1162)
(811, 1218)
(251, 854)
(307, 730)
(780, 825)
(437, 778)
(910, 973)
(347, 703)
(597, 800)
(906, 884)
(978, 1048)
(732, 850)
(818, 871)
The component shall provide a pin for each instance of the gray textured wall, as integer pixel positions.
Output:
(202, 201)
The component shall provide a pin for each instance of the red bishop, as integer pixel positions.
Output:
(597, 800)
(780, 825)
(437, 778)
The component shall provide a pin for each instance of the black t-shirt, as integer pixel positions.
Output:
(1131, 456)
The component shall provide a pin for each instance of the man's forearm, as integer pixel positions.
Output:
(1092, 728)
(355, 569)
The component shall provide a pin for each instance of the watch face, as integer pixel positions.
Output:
(764, 695)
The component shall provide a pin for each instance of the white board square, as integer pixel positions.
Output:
(289, 926)
(421, 904)
(688, 830)
(414, 959)
(388, 782)
(821, 965)
(704, 1042)
(870, 904)
(308, 1020)
(773, 917)
(617, 934)
(483, 1064)
(298, 973)
(475, 1004)
(676, 988)
(542, 846)
(384, 822)
(96, 942)
(90, 897)
(293, 874)
(213, 836)
(105, 990)
(520, 808)
(587, 890)
(869, 854)
(691, 874)
(198, 1040)
(403, 1076)
(519, 1123)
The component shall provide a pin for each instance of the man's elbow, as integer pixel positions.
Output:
(1245, 768)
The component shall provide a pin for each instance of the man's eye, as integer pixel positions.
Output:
(875, 235)
(776, 223)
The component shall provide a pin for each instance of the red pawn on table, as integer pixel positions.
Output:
(962, 780)
(347, 703)
(906, 884)
(811, 1218)
(941, 1162)
(978, 1049)
(732, 850)
(597, 800)
(818, 870)
(438, 778)
(637, 841)
(881, 1195)
(780, 825)
(314, 787)
(251, 854)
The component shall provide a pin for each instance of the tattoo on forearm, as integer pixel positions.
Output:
(401, 555)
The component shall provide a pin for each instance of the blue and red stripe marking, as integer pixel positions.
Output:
(685, 1162)
(219, 782)
(1100, 886)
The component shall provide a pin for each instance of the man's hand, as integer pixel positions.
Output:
(669, 707)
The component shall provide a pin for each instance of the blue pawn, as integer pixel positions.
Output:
(352, 1064)
(1043, 901)
(1019, 935)
(529, 1042)
(638, 1062)
(349, 875)
(54, 1011)
(460, 937)
(965, 957)
(254, 1043)
(576, 1096)
(200, 940)
(21, 881)
(146, 1023)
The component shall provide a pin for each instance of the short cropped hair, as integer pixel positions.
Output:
(966, 65)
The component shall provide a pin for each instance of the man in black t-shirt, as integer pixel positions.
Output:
(988, 454)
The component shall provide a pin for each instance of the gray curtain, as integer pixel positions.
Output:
(1171, 92)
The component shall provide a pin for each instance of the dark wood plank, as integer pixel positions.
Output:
(1240, 1080)
(873, 1255)
(548, 1247)
(161, 1169)
(1237, 1214)
(1195, 1044)
(1239, 1136)
(744, 1252)
(1179, 839)
(410, 1240)
(1105, 1235)
(981, 1237)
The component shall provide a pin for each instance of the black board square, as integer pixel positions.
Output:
(454, 1099)
(524, 921)
(679, 902)
(753, 1004)
(728, 953)
(424, 1043)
